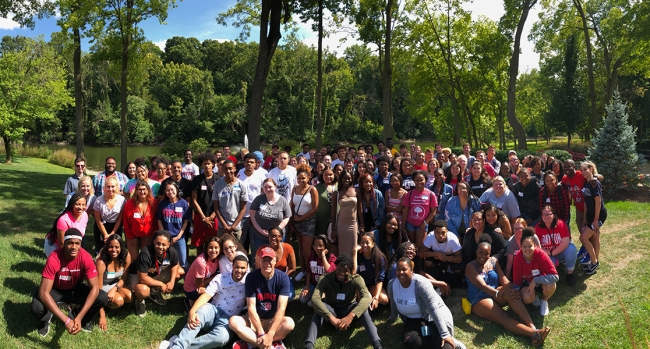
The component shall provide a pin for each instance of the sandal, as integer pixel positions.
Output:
(540, 336)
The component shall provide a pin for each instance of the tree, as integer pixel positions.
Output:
(23, 11)
(614, 148)
(516, 9)
(271, 16)
(123, 17)
(32, 88)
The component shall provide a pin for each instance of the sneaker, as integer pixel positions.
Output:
(88, 327)
(376, 345)
(585, 260)
(309, 345)
(44, 326)
(140, 308)
(300, 276)
(241, 345)
(570, 280)
(543, 308)
(536, 302)
(156, 297)
(164, 345)
(459, 344)
(278, 345)
(592, 268)
(582, 252)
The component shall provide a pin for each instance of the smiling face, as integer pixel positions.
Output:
(71, 248)
(407, 167)
(110, 188)
(177, 168)
(113, 249)
(477, 221)
(160, 245)
(142, 192)
(229, 249)
(328, 176)
(275, 238)
(463, 189)
(404, 272)
(346, 179)
(229, 171)
(79, 207)
(419, 181)
(268, 264)
(342, 273)
(476, 169)
(498, 186)
(550, 181)
(491, 217)
(268, 188)
(569, 168)
(368, 184)
(391, 226)
(110, 165)
(213, 250)
(170, 192)
(141, 172)
(547, 217)
(318, 246)
(239, 270)
(366, 244)
(518, 228)
(361, 168)
(131, 170)
(528, 248)
(483, 253)
(86, 185)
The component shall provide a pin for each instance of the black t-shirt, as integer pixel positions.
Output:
(148, 262)
(479, 186)
(184, 188)
(203, 188)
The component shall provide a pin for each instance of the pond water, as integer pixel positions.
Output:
(96, 156)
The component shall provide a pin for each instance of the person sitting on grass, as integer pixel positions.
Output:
(267, 294)
(555, 240)
(202, 271)
(113, 265)
(212, 310)
(426, 318)
(488, 290)
(340, 305)
(370, 263)
(321, 261)
(154, 272)
(534, 271)
(442, 253)
(61, 281)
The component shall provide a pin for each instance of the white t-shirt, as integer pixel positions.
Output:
(225, 266)
(336, 162)
(285, 179)
(189, 171)
(253, 186)
(405, 300)
(452, 244)
(227, 293)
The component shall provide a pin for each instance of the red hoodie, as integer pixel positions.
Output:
(540, 265)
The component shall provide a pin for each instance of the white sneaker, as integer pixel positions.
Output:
(536, 302)
(543, 309)
(164, 345)
(300, 276)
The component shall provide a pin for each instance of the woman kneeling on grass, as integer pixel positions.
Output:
(534, 271)
(112, 264)
(487, 298)
(202, 271)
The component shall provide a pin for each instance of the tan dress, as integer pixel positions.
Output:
(346, 225)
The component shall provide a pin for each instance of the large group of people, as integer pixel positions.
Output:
(399, 228)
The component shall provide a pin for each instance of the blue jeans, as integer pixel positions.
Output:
(306, 300)
(213, 320)
(181, 248)
(567, 256)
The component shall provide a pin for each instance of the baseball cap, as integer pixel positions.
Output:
(266, 252)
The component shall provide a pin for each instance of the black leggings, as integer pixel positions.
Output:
(412, 335)
(77, 295)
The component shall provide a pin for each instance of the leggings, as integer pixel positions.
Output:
(412, 335)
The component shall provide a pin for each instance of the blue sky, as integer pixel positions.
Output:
(197, 18)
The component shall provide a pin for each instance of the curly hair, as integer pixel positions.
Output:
(121, 258)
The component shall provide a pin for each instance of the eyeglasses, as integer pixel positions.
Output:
(111, 163)
(79, 166)
(275, 236)
(548, 214)
(233, 247)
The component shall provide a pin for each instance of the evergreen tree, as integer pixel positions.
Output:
(614, 148)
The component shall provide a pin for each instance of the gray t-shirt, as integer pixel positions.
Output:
(71, 184)
(267, 215)
(230, 196)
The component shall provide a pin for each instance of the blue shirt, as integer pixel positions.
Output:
(173, 215)
(366, 268)
(266, 292)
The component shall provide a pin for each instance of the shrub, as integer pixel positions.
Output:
(173, 149)
(198, 146)
(63, 157)
(42, 152)
(561, 155)
(579, 147)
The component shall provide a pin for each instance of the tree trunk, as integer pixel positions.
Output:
(513, 70)
(387, 77)
(126, 44)
(78, 96)
(470, 116)
(269, 37)
(593, 118)
(502, 133)
(612, 80)
(319, 86)
(7, 149)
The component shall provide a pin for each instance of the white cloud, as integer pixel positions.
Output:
(8, 24)
(160, 44)
(336, 41)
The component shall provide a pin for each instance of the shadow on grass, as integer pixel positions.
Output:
(27, 266)
(21, 285)
(32, 251)
(20, 324)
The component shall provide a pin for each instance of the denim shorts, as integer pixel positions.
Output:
(411, 227)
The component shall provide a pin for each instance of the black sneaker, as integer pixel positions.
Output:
(44, 327)
(88, 327)
(570, 280)
(140, 309)
(592, 268)
(156, 297)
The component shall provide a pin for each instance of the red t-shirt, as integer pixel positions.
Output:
(316, 268)
(420, 168)
(233, 159)
(419, 204)
(139, 224)
(575, 185)
(67, 274)
(540, 265)
(550, 239)
(268, 162)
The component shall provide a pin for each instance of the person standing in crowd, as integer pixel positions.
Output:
(492, 160)
(140, 174)
(210, 313)
(72, 182)
(202, 187)
(139, 218)
(229, 198)
(467, 148)
(382, 178)
(284, 176)
(555, 196)
(267, 294)
(173, 216)
(84, 187)
(595, 215)
(275, 151)
(109, 171)
(304, 205)
(190, 170)
(161, 170)
(129, 170)
(61, 281)
(252, 179)
(228, 155)
(427, 320)
(268, 210)
(184, 185)
(345, 216)
(527, 194)
(108, 210)
(154, 272)
(345, 298)
(418, 209)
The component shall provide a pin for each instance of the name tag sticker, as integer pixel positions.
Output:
(340, 296)
(499, 205)
(521, 193)
(362, 268)
(178, 209)
(165, 262)
(137, 215)
(411, 301)
(204, 187)
(110, 275)
(548, 199)
(65, 277)
(535, 272)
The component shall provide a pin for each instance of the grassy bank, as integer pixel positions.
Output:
(585, 316)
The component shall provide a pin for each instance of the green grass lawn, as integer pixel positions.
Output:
(586, 316)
